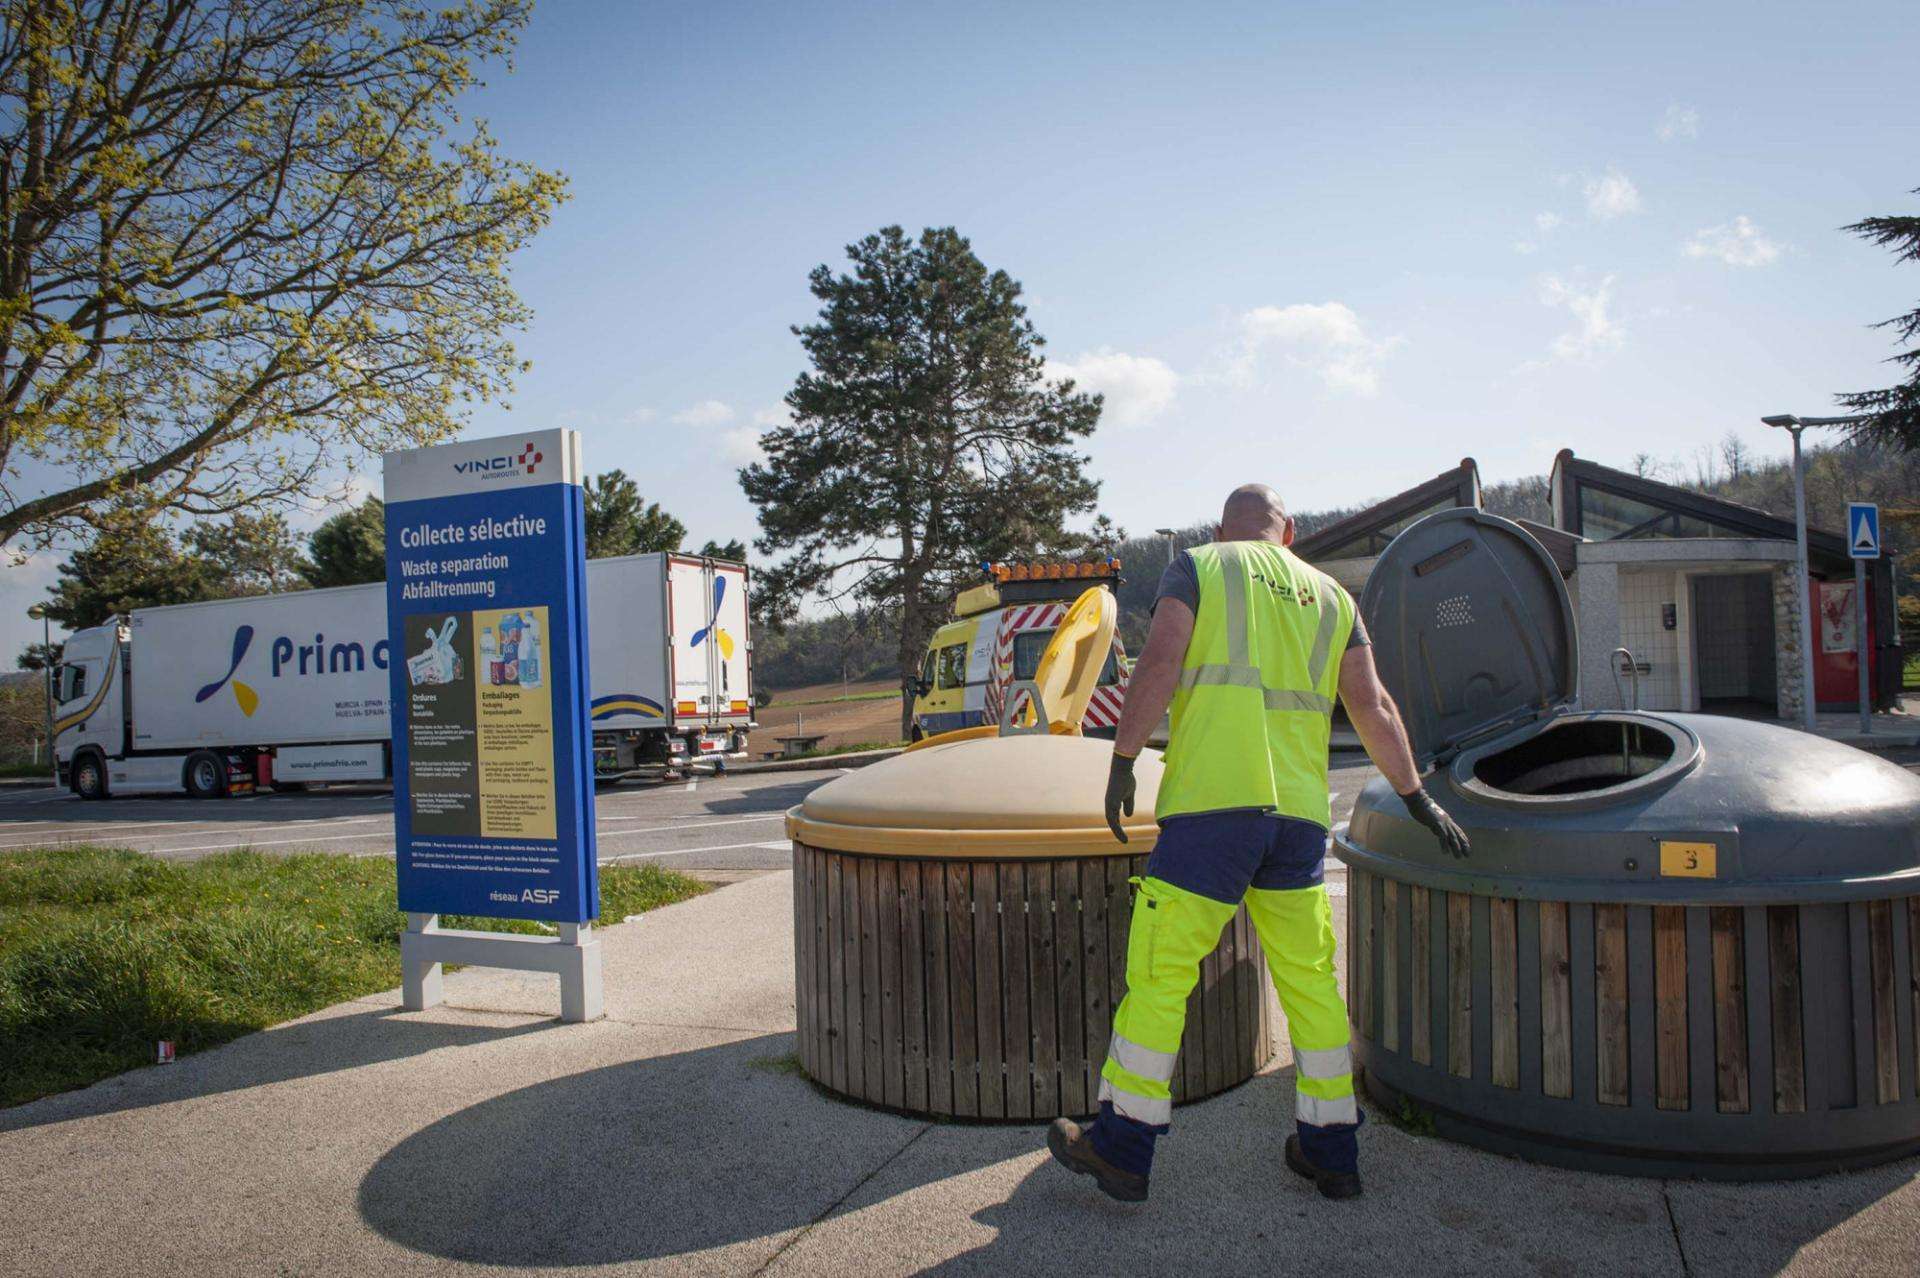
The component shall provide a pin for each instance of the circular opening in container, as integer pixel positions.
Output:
(1584, 757)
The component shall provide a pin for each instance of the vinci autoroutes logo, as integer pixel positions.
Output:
(526, 462)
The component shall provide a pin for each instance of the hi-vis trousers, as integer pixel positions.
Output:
(1202, 868)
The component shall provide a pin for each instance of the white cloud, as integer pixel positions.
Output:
(768, 418)
(708, 412)
(741, 446)
(1544, 224)
(1595, 332)
(1680, 121)
(1138, 388)
(1611, 195)
(1737, 243)
(637, 416)
(1328, 338)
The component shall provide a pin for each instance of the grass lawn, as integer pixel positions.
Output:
(1910, 674)
(104, 952)
(891, 694)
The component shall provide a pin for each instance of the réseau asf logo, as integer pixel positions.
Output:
(243, 694)
(529, 461)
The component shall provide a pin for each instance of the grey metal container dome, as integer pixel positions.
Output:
(1683, 943)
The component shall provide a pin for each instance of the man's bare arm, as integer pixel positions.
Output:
(1376, 720)
(1155, 675)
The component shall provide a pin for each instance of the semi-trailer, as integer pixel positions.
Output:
(291, 689)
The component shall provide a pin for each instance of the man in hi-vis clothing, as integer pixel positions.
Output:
(1251, 645)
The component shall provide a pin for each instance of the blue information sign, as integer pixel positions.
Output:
(1863, 530)
(487, 623)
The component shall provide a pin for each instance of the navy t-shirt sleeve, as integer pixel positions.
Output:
(1180, 581)
(1359, 637)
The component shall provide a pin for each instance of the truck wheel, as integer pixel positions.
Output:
(90, 777)
(206, 775)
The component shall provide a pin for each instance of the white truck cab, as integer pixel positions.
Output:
(90, 708)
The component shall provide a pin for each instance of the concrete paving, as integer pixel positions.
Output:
(674, 1138)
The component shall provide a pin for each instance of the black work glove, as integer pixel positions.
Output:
(1119, 793)
(1422, 808)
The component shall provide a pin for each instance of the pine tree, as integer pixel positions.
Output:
(350, 548)
(1895, 411)
(246, 555)
(622, 522)
(926, 438)
(735, 551)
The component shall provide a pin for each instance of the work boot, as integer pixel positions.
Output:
(1332, 1184)
(1072, 1147)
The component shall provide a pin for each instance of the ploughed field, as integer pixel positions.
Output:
(869, 715)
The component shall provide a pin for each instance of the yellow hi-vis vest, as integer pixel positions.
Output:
(1254, 707)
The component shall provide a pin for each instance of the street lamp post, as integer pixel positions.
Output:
(46, 656)
(1794, 425)
(1166, 535)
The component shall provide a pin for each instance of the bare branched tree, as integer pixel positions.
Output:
(242, 244)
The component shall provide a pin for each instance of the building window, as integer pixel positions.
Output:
(1609, 516)
(1373, 542)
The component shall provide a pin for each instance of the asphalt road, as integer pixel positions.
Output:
(720, 826)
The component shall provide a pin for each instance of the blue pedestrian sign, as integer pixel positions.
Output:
(1863, 530)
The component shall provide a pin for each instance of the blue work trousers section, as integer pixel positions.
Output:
(1276, 865)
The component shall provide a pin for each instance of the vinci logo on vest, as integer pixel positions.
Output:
(526, 462)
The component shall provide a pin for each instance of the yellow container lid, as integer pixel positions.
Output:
(1027, 795)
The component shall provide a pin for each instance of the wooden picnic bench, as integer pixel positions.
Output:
(792, 746)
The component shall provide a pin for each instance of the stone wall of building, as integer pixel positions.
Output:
(1788, 604)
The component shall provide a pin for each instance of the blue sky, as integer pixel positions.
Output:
(1327, 246)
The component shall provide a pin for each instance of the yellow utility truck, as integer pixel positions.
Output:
(1000, 628)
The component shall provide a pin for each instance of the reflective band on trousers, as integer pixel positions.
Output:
(1143, 1061)
(1322, 1112)
(1154, 1111)
(1325, 1062)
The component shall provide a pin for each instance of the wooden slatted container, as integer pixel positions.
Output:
(1735, 1041)
(985, 989)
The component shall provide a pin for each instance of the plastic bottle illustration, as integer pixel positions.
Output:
(530, 654)
(489, 656)
(510, 648)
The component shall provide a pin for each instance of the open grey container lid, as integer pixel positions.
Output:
(1472, 630)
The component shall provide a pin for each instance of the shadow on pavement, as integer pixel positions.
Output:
(303, 1049)
(769, 798)
(658, 1157)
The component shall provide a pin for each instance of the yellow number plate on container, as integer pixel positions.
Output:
(1687, 860)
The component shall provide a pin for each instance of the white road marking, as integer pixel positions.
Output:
(725, 847)
(704, 825)
(272, 843)
(100, 833)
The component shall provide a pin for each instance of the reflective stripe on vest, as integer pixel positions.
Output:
(1216, 758)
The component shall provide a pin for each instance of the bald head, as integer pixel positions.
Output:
(1254, 512)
